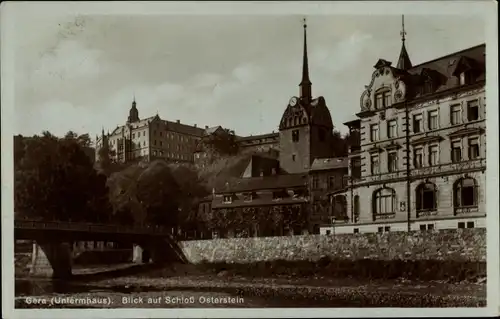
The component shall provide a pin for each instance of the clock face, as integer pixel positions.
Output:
(293, 101)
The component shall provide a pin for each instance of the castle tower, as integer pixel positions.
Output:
(133, 113)
(306, 128)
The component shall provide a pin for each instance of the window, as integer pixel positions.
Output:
(293, 157)
(426, 197)
(133, 135)
(328, 232)
(466, 78)
(154, 142)
(374, 132)
(417, 123)
(473, 148)
(461, 225)
(456, 151)
(374, 164)
(427, 227)
(379, 101)
(428, 86)
(247, 197)
(418, 155)
(228, 199)
(387, 228)
(433, 119)
(356, 230)
(381, 229)
(161, 143)
(386, 96)
(470, 224)
(331, 181)
(161, 133)
(383, 99)
(433, 155)
(473, 110)
(295, 136)
(464, 194)
(392, 128)
(384, 202)
(455, 114)
(143, 133)
(315, 182)
(392, 161)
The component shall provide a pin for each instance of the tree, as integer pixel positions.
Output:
(340, 147)
(221, 143)
(55, 179)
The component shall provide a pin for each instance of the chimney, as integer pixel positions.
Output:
(195, 125)
(178, 121)
(206, 127)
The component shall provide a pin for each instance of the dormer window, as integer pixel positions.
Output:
(279, 195)
(428, 87)
(248, 197)
(228, 199)
(466, 78)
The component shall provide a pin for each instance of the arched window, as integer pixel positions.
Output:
(339, 207)
(426, 197)
(465, 194)
(384, 202)
(356, 208)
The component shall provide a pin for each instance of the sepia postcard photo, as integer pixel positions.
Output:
(249, 159)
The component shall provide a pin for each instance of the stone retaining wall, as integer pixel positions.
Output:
(444, 245)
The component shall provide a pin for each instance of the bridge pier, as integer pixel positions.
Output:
(51, 259)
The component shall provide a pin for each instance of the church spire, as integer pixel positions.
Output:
(305, 84)
(133, 113)
(404, 62)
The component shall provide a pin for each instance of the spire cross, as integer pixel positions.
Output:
(403, 32)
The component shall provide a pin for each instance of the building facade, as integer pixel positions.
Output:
(421, 148)
(149, 139)
(328, 176)
(259, 143)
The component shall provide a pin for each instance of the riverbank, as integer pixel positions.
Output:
(195, 290)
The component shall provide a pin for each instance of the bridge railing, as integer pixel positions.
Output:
(89, 227)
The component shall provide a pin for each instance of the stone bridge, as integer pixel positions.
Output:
(52, 251)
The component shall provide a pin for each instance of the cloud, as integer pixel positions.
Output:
(70, 61)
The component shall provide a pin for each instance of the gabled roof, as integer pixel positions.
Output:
(258, 137)
(329, 163)
(284, 181)
(212, 129)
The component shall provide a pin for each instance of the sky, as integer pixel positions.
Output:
(81, 72)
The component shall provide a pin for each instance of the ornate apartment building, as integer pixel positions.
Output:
(151, 138)
(420, 161)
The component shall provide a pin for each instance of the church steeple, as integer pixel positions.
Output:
(133, 113)
(305, 84)
(404, 62)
